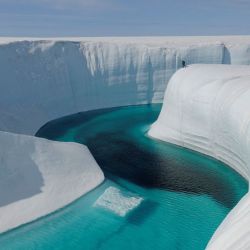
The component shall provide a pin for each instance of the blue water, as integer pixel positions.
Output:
(186, 195)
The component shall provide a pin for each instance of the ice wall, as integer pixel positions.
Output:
(39, 176)
(206, 108)
(45, 79)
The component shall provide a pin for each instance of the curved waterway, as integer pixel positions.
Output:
(183, 195)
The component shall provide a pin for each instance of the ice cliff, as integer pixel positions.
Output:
(206, 108)
(45, 79)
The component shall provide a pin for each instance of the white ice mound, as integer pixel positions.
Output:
(119, 203)
(207, 108)
(38, 176)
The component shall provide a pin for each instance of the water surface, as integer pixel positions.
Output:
(185, 195)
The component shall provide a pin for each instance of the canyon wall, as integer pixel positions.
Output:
(206, 108)
(46, 79)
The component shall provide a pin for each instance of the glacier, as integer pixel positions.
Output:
(46, 78)
(206, 108)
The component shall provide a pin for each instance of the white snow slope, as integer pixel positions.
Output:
(38, 176)
(206, 108)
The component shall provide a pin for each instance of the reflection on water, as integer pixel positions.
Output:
(185, 194)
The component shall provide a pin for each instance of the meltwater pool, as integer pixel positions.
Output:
(156, 195)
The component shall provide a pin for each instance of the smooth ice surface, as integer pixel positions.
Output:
(114, 200)
(38, 176)
(49, 78)
(206, 108)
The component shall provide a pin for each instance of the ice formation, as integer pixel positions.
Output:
(114, 200)
(44, 79)
(206, 108)
(38, 176)
(47, 79)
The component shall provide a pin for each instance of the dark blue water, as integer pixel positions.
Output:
(185, 194)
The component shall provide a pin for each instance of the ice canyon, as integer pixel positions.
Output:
(205, 108)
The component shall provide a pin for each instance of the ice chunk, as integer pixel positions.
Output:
(116, 201)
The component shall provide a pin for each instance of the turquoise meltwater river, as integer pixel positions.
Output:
(185, 195)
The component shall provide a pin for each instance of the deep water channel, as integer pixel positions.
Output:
(186, 195)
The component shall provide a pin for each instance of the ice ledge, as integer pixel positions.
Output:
(206, 108)
(39, 176)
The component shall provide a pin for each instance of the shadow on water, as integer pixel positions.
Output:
(52, 131)
(142, 212)
(148, 165)
(135, 217)
(128, 160)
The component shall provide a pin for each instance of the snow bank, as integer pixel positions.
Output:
(39, 176)
(206, 108)
(43, 80)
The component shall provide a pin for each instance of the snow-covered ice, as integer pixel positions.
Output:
(48, 78)
(38, 176)
(206, 108)
(115, 200)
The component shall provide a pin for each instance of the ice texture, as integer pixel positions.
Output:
(43, 80)
(38, 176)
(115, 200)
(206, 108)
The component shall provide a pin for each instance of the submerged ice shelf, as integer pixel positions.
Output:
(114, 200)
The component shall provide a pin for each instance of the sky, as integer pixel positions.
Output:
(53, 18)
